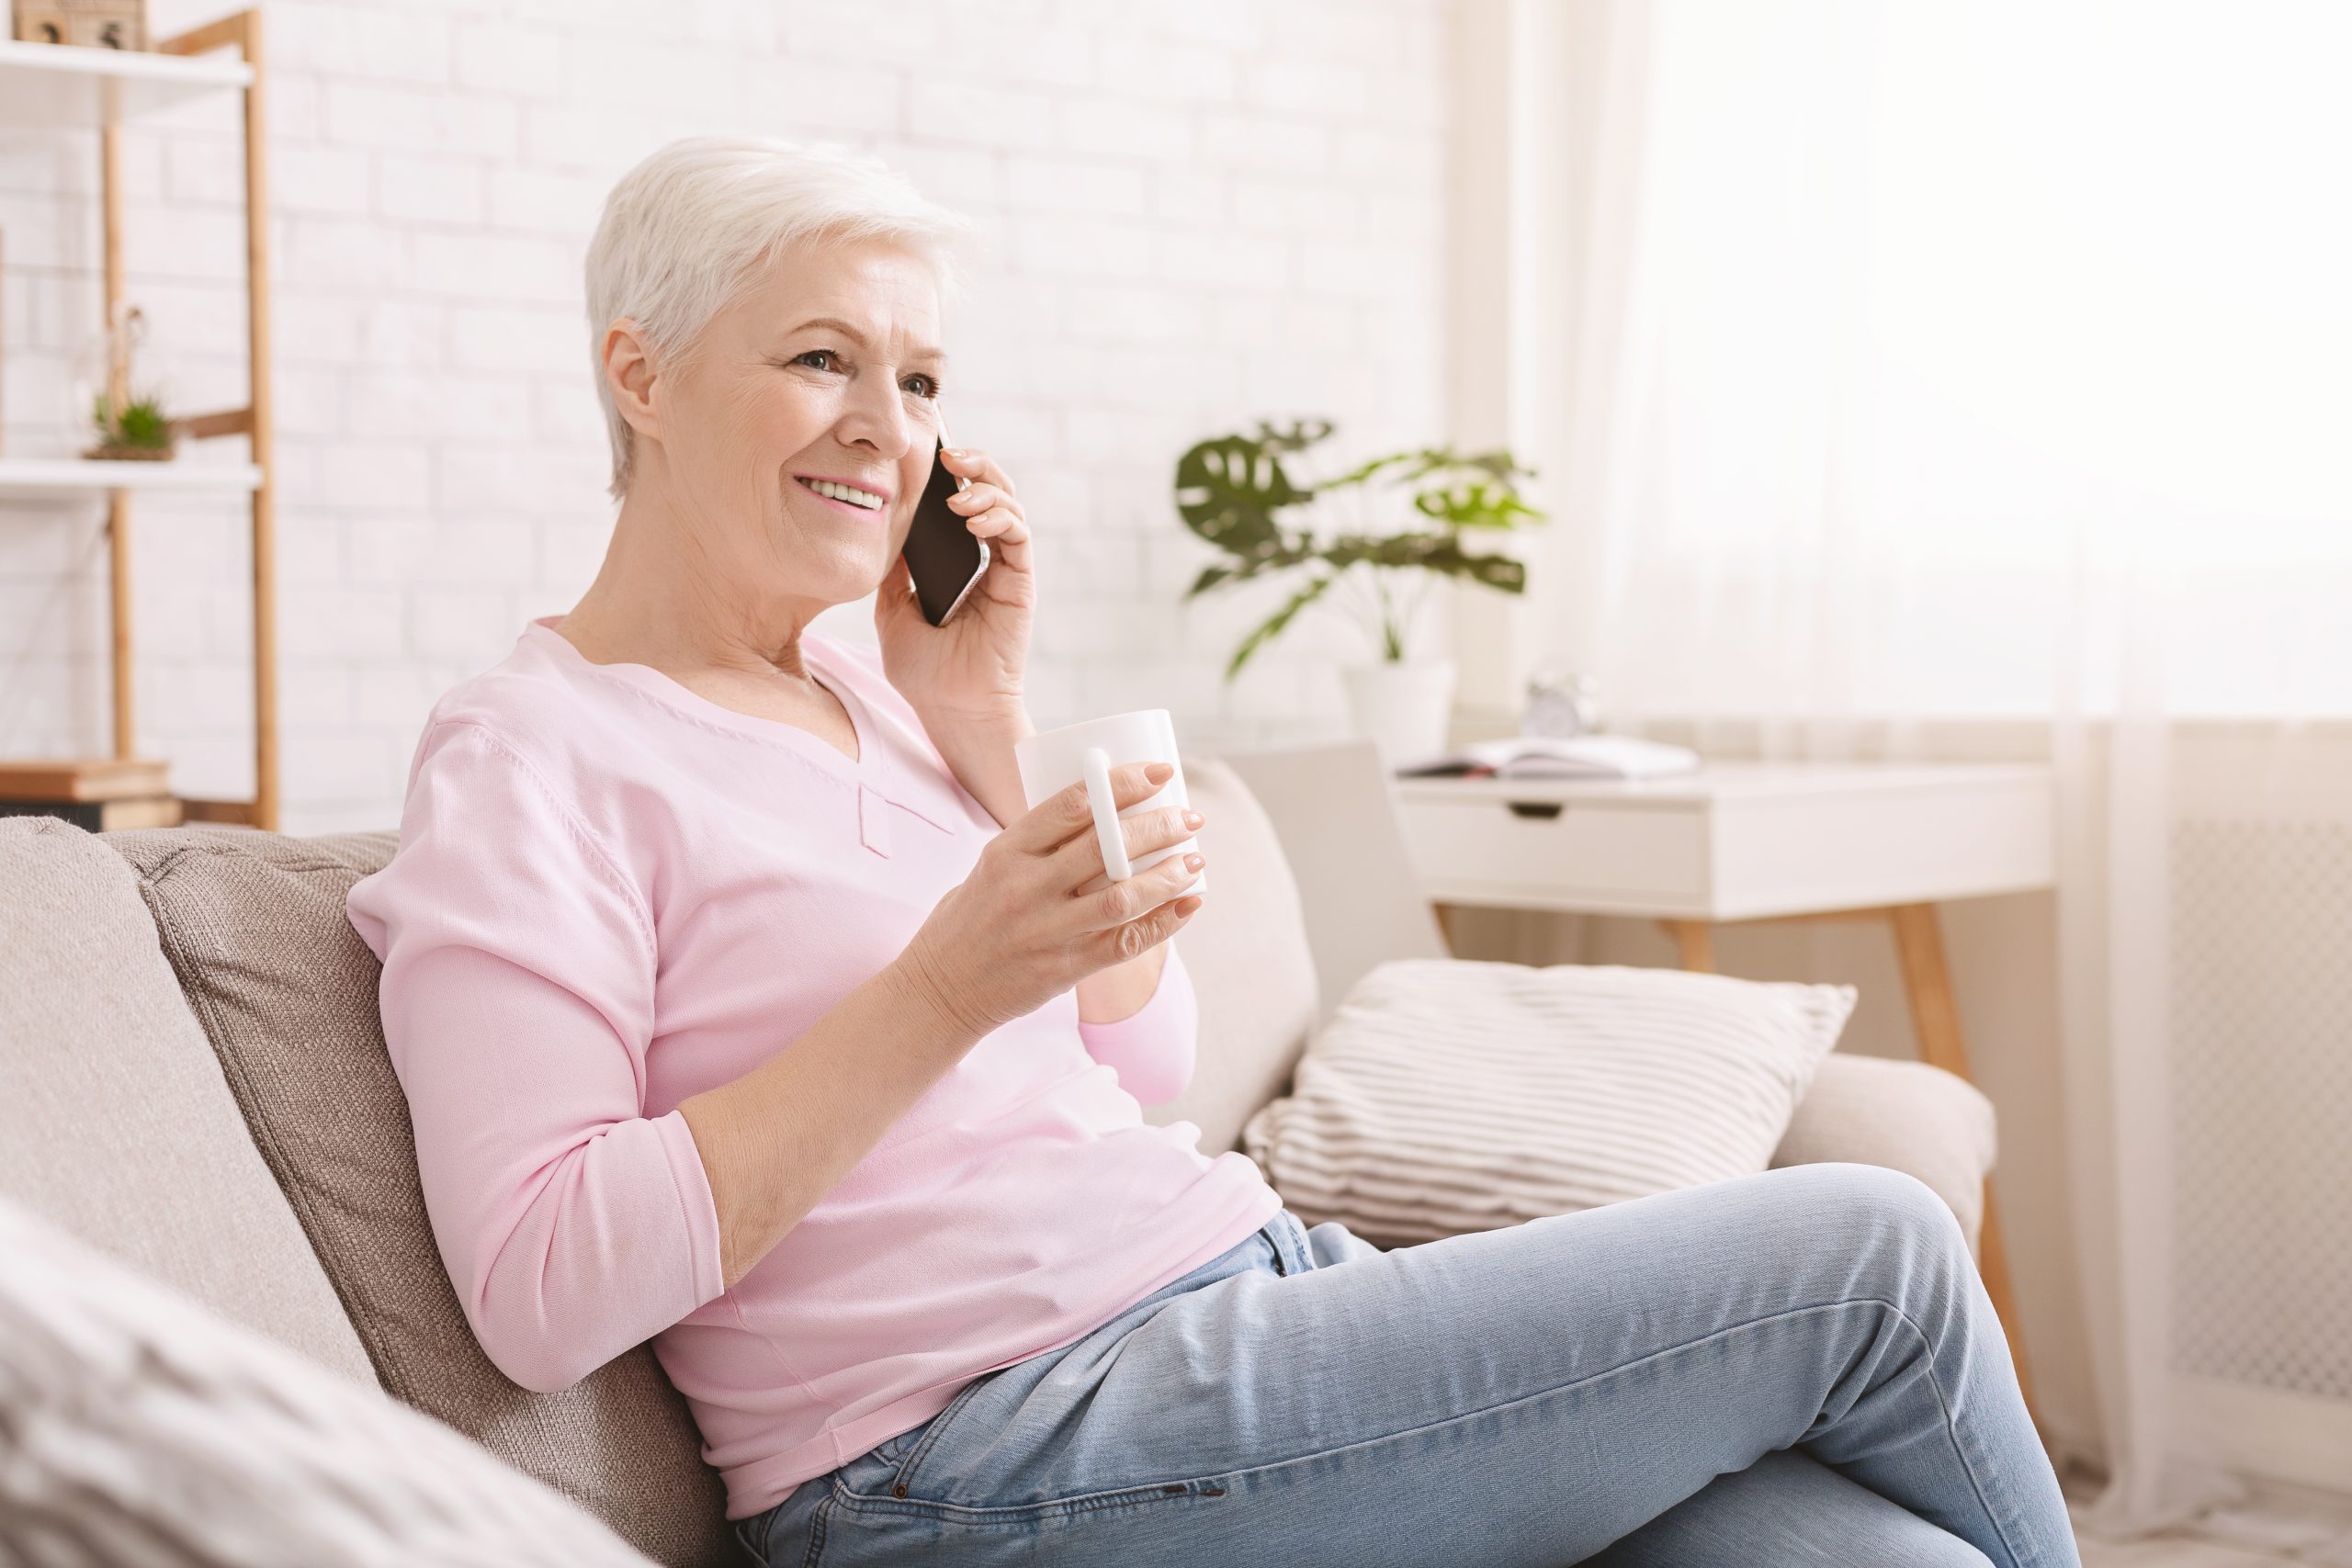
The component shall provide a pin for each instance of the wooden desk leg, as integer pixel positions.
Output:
(1696, 938)
(1935, 1019)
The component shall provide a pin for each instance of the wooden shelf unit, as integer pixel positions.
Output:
(33, 479)
(49, 84)
(64, 87)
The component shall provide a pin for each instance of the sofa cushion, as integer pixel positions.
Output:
(115, 1122)
(253, 926)
(1452, 1095)
(1248, 956)
(137, 1428)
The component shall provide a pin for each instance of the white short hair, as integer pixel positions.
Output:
(682, 229)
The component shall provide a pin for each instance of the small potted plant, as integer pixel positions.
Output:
(138, 431)
(133, 427)
(1238, 493)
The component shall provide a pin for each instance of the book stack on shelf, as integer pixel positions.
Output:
(98, 794)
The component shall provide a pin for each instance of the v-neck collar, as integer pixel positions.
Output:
(872, 766)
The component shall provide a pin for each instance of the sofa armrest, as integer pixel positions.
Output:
(1904, 1115)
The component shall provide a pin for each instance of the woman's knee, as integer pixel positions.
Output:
(1882, 1212)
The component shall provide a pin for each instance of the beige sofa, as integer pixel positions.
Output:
(193, 1079)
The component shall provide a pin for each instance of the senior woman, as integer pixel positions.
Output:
(743, 1006)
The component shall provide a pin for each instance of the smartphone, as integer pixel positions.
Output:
(942, 555)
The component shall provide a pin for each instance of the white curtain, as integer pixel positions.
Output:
(1928, 363)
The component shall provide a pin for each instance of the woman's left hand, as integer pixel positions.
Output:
(969, 671)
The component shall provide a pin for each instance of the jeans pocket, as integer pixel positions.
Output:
(918, 1442)
(752, 1535)
(893, 1488)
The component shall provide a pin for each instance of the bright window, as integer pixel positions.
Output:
(1980, 342)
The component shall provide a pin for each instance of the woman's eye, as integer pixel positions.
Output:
(815, 353)
(921, 386)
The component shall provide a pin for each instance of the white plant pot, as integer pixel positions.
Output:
(1402, 706)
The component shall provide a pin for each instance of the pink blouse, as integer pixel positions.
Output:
(612, 893)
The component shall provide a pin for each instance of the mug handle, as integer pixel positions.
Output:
(1107, 830)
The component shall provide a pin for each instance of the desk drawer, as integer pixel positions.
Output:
(1587, 854)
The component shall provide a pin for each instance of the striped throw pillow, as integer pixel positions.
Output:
(1447, 1095)
(137, 1428)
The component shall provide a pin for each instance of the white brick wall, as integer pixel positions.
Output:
(1193, 216)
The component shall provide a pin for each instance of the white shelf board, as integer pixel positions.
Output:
(39, 478)
(64, 85)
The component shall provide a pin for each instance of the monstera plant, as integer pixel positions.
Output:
(1240, 493)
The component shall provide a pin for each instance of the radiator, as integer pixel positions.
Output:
(2262, 1096)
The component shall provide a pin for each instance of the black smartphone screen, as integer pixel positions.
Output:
(942, 555)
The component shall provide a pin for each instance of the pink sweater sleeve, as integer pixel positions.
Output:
(1152, 1049)
(517, 1001)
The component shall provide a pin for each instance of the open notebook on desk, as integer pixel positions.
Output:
(1557, 757)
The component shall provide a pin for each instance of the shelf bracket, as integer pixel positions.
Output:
(228, 422)
(229, 32)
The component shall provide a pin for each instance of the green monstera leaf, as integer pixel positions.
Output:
(1402, 467)
(1438, 553)
(1448, 557)
(1295, 437)
(1482, 505)
(1228, 488)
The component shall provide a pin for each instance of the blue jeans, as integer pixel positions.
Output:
(1800, 1367)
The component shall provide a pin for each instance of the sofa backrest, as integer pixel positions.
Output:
(1342, 829)
(1248, 953)
(116, 1123)
(255, 929)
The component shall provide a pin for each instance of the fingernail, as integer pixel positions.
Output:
(957, 452)
(1159, 772)
(1194, 818)
(1194, 863)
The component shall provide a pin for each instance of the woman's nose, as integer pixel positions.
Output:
(877, 419)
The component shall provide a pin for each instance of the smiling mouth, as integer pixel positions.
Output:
(846, 495)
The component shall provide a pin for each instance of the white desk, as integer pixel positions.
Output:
(1735, 841)
(1739, 842)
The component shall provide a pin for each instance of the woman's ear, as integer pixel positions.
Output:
(629, 373)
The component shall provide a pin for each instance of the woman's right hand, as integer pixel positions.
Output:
(1019, 931)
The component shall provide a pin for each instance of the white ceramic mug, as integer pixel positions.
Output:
(1055, 760)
